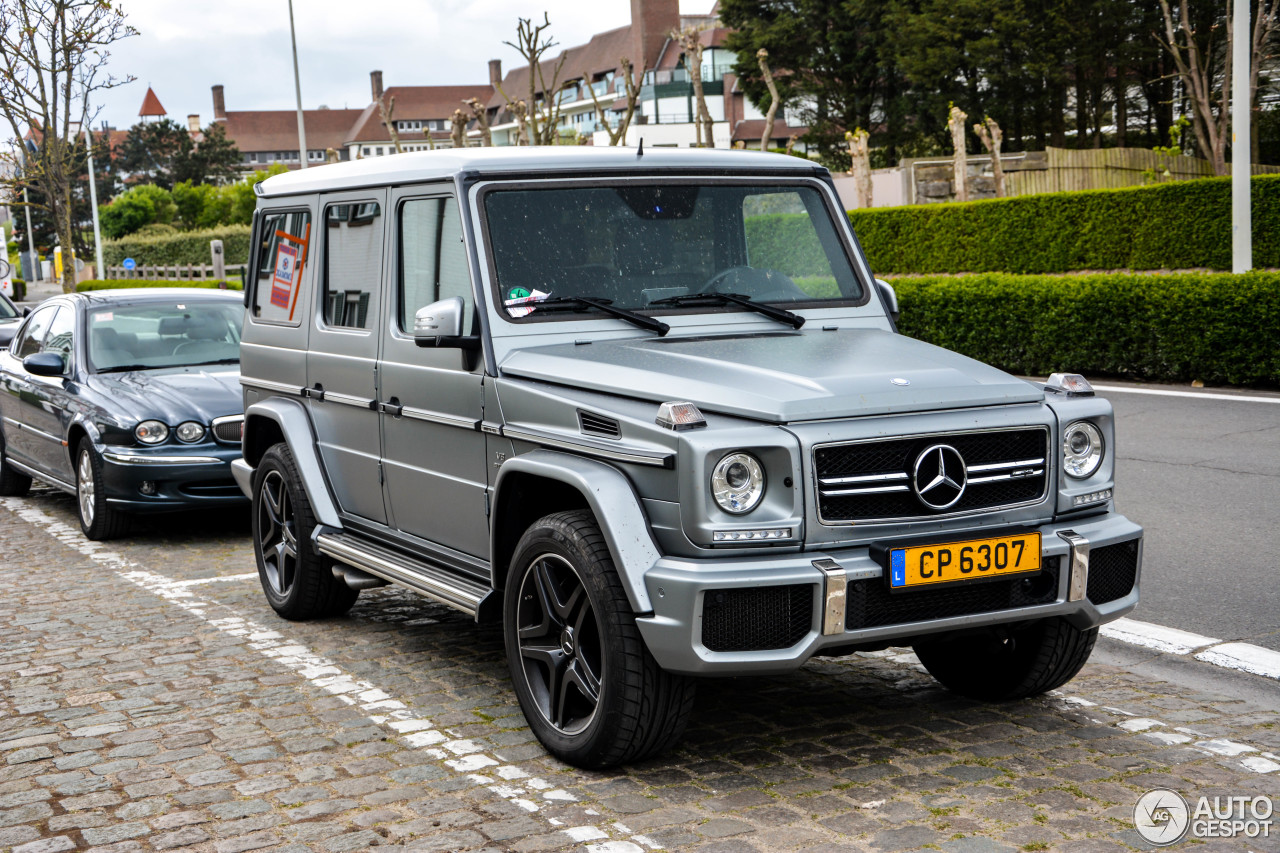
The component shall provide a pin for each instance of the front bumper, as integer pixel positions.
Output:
(197, 475)
(682, 590)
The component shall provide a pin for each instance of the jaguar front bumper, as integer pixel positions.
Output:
(771, 614)
(170, 478)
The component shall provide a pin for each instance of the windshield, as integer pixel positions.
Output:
(640, 244)
(137, 337)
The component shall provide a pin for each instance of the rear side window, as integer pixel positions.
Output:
(433, 258)
(282, 257)
(352, 262)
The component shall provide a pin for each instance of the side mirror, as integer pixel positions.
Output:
(26, 311)
(890, 297)
(44, 364)
(438, 320)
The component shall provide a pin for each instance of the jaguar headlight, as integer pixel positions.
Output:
(190, 432)
(1082, 449)
(151, 432)
(738, 483)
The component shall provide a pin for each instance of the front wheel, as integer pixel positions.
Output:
(297, 582)
(1026, 662)
(590, 690)
(98, 520)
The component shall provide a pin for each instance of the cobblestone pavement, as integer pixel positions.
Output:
(150, 700)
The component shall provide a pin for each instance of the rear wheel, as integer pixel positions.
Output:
(98, 520)
(1027, 662)
(297, 582)
(590, 690)
(13, 483)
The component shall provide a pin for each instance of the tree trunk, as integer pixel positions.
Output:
(762, 56)
(991, 135)
(458, 131)
(956, 122)
(860, 168)
(481, 116)
(1122, 110)
(691, 41)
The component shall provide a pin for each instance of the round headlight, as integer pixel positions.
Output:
(190, 432)
(151, 432)
(738, 483)
(1081, 449)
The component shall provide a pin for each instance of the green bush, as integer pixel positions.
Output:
(1216, 327)
(128, 283)
(184, 247)
(1181, 225)
(19, 289)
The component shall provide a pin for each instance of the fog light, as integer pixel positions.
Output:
(1092, 497)
(763, 535)
(148, 487)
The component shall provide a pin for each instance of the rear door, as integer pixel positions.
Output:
(342, 356)
(47, 414)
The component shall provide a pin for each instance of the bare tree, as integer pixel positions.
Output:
(762, 56)
(53, 55)
(481, 114)
(992, 137)
(543, 115)
(459, 130)
(1201, 64)
(520, 111)
(331, 156)
(618, 135)
(955, 121)
(690, 39)
(791, 143)
(387, 109)
(860, 169)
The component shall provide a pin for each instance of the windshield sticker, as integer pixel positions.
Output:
(518, 293)
(103, 317)
(286, 268)
(522, 306)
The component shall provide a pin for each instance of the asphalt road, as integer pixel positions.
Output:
(1203, 477)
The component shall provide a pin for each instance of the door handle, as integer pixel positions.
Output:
(316, 393)
(392, 407)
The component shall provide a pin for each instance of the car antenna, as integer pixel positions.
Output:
(640, 153)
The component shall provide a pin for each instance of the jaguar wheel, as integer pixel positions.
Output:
(297, 582)
(98, 520)
(590, 690)
(1027, 662)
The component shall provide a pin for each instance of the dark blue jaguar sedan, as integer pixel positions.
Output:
(128, 399)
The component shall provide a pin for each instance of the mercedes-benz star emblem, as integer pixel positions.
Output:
(939, 477)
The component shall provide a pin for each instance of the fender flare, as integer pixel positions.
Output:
(613, 501)
(90, 429)
(295, 424)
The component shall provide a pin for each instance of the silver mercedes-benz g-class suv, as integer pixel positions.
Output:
(650, 410)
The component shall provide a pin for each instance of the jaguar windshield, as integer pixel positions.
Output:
(651, 246)
(181, 334)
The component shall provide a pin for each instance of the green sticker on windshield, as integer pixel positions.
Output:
(518, 293)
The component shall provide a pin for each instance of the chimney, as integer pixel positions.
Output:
(375, 80)
(495, 72)
(652, 22)
(193, 122)
(219, 104)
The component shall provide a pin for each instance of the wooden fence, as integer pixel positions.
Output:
(1108, 168)
(176, 272)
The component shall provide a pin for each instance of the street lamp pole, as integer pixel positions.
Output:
(1241, 140)
(297, 86)
(93, 203)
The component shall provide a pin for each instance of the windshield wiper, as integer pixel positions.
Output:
(782, 315)
(606, 305)
(121, 368)
(235, 360)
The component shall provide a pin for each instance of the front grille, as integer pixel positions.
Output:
(229, 430)
(756, 618)
(1112, 571)
(871, 605)
(212, 489)
(872, 480)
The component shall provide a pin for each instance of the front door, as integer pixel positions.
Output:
(432, 398)
(342, 379)
(18, 390)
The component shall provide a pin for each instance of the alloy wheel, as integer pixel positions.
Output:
(277, 536)
(85, 487)
(560, 644)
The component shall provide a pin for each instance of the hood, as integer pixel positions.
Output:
(174, 394)
(780, 377)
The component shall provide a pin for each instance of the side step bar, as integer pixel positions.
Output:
(420, 576)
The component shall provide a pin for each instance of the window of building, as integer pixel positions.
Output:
(433, 260)
(313, 155)
(353, 252)
(379, 150)
(281, 262)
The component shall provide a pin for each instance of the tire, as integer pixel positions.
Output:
(13, 483)
(298, 583)
(1030, 661)
(590, 690)
(98, 520)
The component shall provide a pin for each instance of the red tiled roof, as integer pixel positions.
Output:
(600, 55)
(751, 129)
(151, 105)
(415, 103)
(277, 130)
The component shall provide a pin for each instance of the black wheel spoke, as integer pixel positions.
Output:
(278, 540)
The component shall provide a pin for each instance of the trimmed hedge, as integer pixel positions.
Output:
(182, 248)
(127, 283)
(1215, 327)
(1181, 225)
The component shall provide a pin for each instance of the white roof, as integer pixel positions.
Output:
(416, 166)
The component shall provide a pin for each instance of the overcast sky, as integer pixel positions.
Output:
(186, 46)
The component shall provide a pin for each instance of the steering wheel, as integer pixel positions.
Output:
(709, 286)
(760, 285)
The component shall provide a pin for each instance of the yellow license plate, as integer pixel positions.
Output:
(959, 562)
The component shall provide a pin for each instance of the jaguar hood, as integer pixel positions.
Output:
(174, 394)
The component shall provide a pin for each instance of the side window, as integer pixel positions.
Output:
(352, 262)
(433, 258)
(282, 255)
(61, 334)
(33, 335)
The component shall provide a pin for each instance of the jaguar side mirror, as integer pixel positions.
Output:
(44, 364)
(890, 297)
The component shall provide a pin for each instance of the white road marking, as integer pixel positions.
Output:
(218, 579)
(1200, 395)
(1162, 639)
(325, 674)
(1244, 656)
